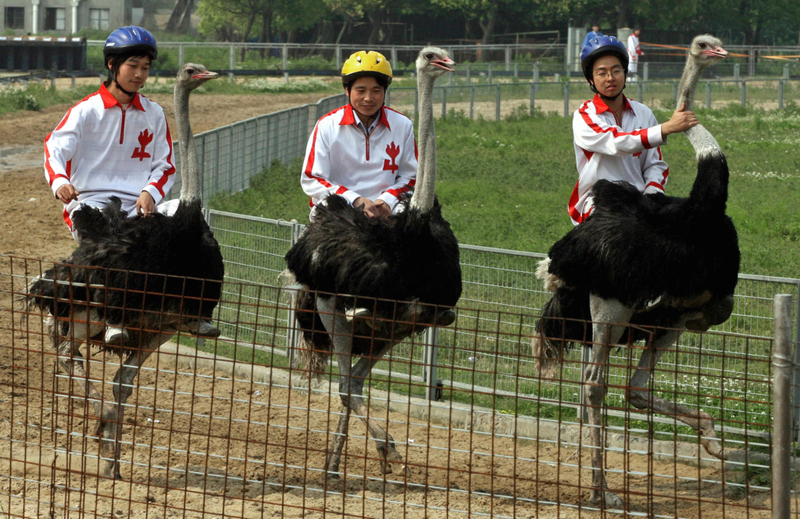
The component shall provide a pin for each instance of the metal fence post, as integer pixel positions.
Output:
(429, 354)
(645, 71)
(394, 56)
(231, 63)
(508, 58)
(782, 411)
(708, 94)
(472, 103)
(736, 69)
(497, 104)
(786, 71)
(639, 91)
(444, 101)
(744, 92)
(285, 56)
(180, 55)
(489, 76)
(516, 72)
(533, 98)
(566, 99)
(796, 408)
(780, 94)
(536, 72)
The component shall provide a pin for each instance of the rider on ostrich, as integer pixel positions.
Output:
(617, 138)
(362, 151)
(116, 143)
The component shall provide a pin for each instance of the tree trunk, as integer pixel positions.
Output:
(376, 19)
(342, 32)
(246, 35)
(487, 23)
(622, 14)
(266, 32)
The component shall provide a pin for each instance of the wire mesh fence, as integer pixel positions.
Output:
(228, 428)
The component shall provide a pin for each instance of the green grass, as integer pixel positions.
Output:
(36, 97)
(506, 184)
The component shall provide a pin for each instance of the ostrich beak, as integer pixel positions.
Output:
(716, 52)
(444, 63)
(206, 75)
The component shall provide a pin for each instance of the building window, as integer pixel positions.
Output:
(55, 19)
(98, 19)
(15, 17)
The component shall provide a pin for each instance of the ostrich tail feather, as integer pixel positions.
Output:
(565, 320)
(551, 281)
(314, 345)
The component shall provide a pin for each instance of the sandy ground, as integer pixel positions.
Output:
(200, 445)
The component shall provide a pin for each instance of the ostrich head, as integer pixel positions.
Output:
(706, 50)
(433, 62)
(192, 75)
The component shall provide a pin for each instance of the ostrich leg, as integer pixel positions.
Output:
(67, 347)
(110, 428)
(351, 384)
(639, 396)
(594, 386)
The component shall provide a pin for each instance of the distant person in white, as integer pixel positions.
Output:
(634, 51)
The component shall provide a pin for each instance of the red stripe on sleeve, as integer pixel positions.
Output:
(159, 184)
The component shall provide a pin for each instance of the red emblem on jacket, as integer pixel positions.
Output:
(393, 151)
(145, 138)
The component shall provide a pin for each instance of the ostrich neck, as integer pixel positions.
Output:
(688, 85)
(425, 187)
(190, 181)
(702, 141)
(710, 189)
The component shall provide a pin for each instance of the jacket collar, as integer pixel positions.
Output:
(601, 105)
(350, 117)
(109, 100)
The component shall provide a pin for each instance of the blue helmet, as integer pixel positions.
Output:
(602, 46)
(131, 38)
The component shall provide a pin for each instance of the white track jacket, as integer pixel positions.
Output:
(342, 159)
(105, 151)
(604, 149)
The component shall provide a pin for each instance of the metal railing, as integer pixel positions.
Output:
(503, 282)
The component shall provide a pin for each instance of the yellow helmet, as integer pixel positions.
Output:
(366, 64)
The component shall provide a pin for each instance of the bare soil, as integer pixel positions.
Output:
(204, 446)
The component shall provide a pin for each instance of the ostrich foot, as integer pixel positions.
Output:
(108, 451)
(393, 463)
(608, 499)
(709, 437)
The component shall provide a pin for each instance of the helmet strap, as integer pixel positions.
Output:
(129, 94)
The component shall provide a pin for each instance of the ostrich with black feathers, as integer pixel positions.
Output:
(402, 271)
(645, 261)
(150, 275)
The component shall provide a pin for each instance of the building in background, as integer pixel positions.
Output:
(66, 17)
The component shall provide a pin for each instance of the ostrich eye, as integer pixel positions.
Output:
(429, 55)
(702, 45)
(190, 71)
